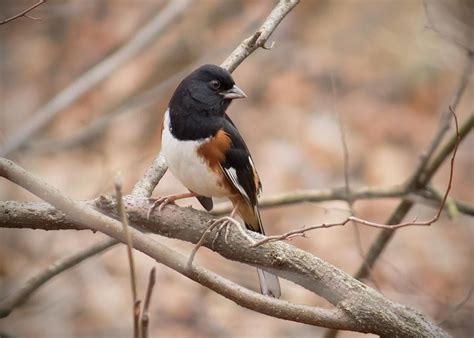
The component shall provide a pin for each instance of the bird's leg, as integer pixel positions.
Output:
(163, 201)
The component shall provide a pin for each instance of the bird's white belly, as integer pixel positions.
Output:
(187, 166)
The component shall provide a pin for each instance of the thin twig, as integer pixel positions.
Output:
(445, 120)
(414, 222)
(136, 318)
(24, 13)
(143, 38)
(260, 37)
(124, 218)
(145, 318)
(56, 268)
(422, 174)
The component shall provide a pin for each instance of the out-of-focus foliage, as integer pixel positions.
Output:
(376, 62)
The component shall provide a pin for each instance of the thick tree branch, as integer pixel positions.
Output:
(80, 215)
(358, 307)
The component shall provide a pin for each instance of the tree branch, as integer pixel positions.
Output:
(260, 37)
(358, 307)
(24, 13)
(61, 265)
(302, 232)
(143, 38)
(404, 207)
(80, 216)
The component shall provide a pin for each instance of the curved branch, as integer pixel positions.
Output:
(358, 307)
(81, 216)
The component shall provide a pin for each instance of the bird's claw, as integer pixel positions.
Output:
(221, 224)
(160, 202)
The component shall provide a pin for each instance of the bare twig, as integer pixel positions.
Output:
(61, 265)
(145, 319)
(422, 174)
(141, 40)
(304, 230)
(133, 283)
(319, 195)
(24, 13)
(260, 37)
(443, 128)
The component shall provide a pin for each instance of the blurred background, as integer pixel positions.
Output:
(379, 64)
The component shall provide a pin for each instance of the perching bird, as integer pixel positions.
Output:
(205, 152)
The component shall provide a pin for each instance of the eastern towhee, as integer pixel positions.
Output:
(205, 152)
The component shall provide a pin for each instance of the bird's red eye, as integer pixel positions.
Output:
(215, 84)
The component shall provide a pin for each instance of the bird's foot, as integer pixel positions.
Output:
(160, 202)
(220, 223)
(224, 223)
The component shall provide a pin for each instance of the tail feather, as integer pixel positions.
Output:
(269, 284)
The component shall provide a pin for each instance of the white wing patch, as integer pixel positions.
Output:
(231, 173)
(259, 186)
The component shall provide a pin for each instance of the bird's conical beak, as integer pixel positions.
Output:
(234, 93)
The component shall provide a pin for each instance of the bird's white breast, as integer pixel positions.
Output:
(187, 166)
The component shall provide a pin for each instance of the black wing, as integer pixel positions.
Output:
(238, 165)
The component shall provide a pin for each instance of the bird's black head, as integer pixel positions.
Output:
(207, 91)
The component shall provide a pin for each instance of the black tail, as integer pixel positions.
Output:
(269, 283)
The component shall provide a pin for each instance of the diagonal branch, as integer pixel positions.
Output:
(423, 174)
(260, 37)
(143, 38)
(61, 265)
(358, 307)
(302, 232)
(24, 13)
(85, 217)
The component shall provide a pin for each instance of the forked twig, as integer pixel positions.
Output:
(414, 222)
(24, 13)
(145, 318)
